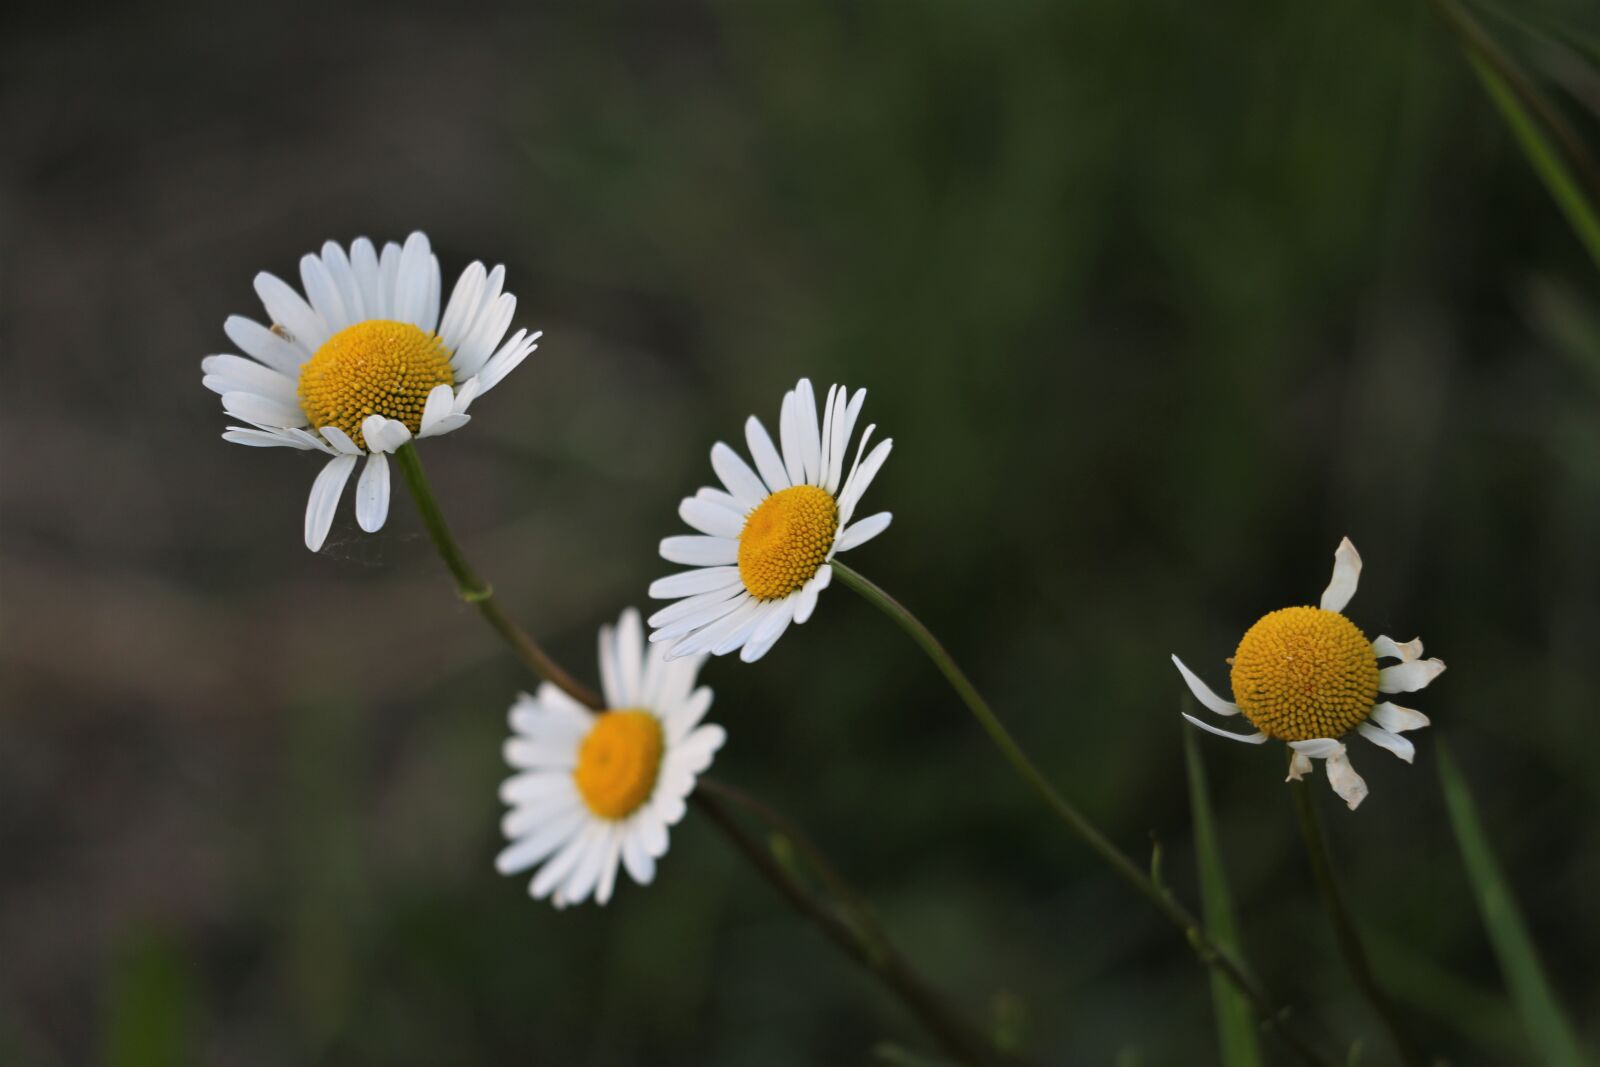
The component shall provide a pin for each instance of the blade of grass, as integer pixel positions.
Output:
(1536, 1002)
(1236, 1027)
(1534, 122)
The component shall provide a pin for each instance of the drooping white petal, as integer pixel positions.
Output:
(693, 550)
(556, 871)
(859, 533)
(805, 601)
(372, 493)
(640, 864)
(1409, 677)
(1318, 747)
(608, 867)
(448, 424)
(1203, 693)
(325, 493)
(340, 441)
(737, 476)
(1346, 570)
(1396, 719)
(1350, 786)
(771, 628)
(239, 435)
(1400, 746)
(765, 453)
(1389, 648)
(1249, 739)
(1299, 766)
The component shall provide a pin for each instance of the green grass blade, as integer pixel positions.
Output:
(1236, 1027)
(1536, 1002)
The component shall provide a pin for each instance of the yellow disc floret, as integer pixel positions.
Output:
(1301, 673)
(618, 762)
(786, 539)
(375, 367)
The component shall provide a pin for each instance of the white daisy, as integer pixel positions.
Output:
(365, 366)
(766, 539)
(593, 788)
(1308, 676)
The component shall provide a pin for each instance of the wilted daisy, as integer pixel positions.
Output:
(593, 788)
(766, 538)
(365, 365)
(1308, 676)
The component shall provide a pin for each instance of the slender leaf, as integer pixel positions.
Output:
(1236, 1027)
(1536, 1002)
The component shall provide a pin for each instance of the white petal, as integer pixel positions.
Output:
(765, 453)
(630, 657)
(1346, 570)
(653, 832)
(411, 284)
(289, 309)
(466, 394)
(448, 424)
(1345, 781)
(608, 868)
(253, 407)
(686, 716)
(463, 305)
(1299, 766)
(441, 399)
(372, 493)
(859, 533)
(710, 518)
(388, 278)
(1389, 648)
(805, 601)
(861, 478)
(344, 277)
(556, 871)
(340, 441)
(364, 265)
(692, 583)
(640, 864)
(262, 438)
(520, 855)
(736, 474)
(1409, 677)
(694, 606)
(323, 293)
(699, 551)
(484, 336)
(844, 422)
(711, 636)
(251, 376)
(393, 434)
(610, 673)
(1318, 747)
(1203, 693)
(770, 629)
(1249, 739)
(1384, 739)
(789, 437)
(810, 437)
(258, 342)
(430, 308)
(508, 359)
(325, 493)
(1396, 719)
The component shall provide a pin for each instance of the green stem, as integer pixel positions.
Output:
(1344, 928)
(476, 591)
(1209, 952)
(865, 941)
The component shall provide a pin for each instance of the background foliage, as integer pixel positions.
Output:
(1158, 300)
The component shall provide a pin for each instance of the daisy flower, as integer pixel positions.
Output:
(593, 788)
(766, 539)
(1308, 676)
(363, 363)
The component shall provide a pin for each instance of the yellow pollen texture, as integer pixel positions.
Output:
(1301, 673)
(785, 540)
(375, 367)
(618, 762)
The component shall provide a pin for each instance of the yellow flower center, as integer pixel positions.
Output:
(618, 762)
(375, 367)
(1301, 673)
(785, 540)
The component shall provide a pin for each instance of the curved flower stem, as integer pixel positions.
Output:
(476, 591)
(1344, 927)
(863, 940)
(1209, 952)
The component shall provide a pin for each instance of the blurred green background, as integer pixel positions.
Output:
(1158, 300)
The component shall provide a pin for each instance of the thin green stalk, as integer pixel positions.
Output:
(1344, 927)
(1205, 947)
(476, 591)
(864, 941)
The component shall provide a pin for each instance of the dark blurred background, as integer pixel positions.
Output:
(1158, 300)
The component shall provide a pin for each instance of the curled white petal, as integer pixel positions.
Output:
(1318, 747)
(325, 493)
(1394, 718)
(1346, 571)
(1299, 766)
(1391, 741)
(1350, 786)
(1203, 693)
(1409, 677)
(1388, 648)
(1249, 739)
